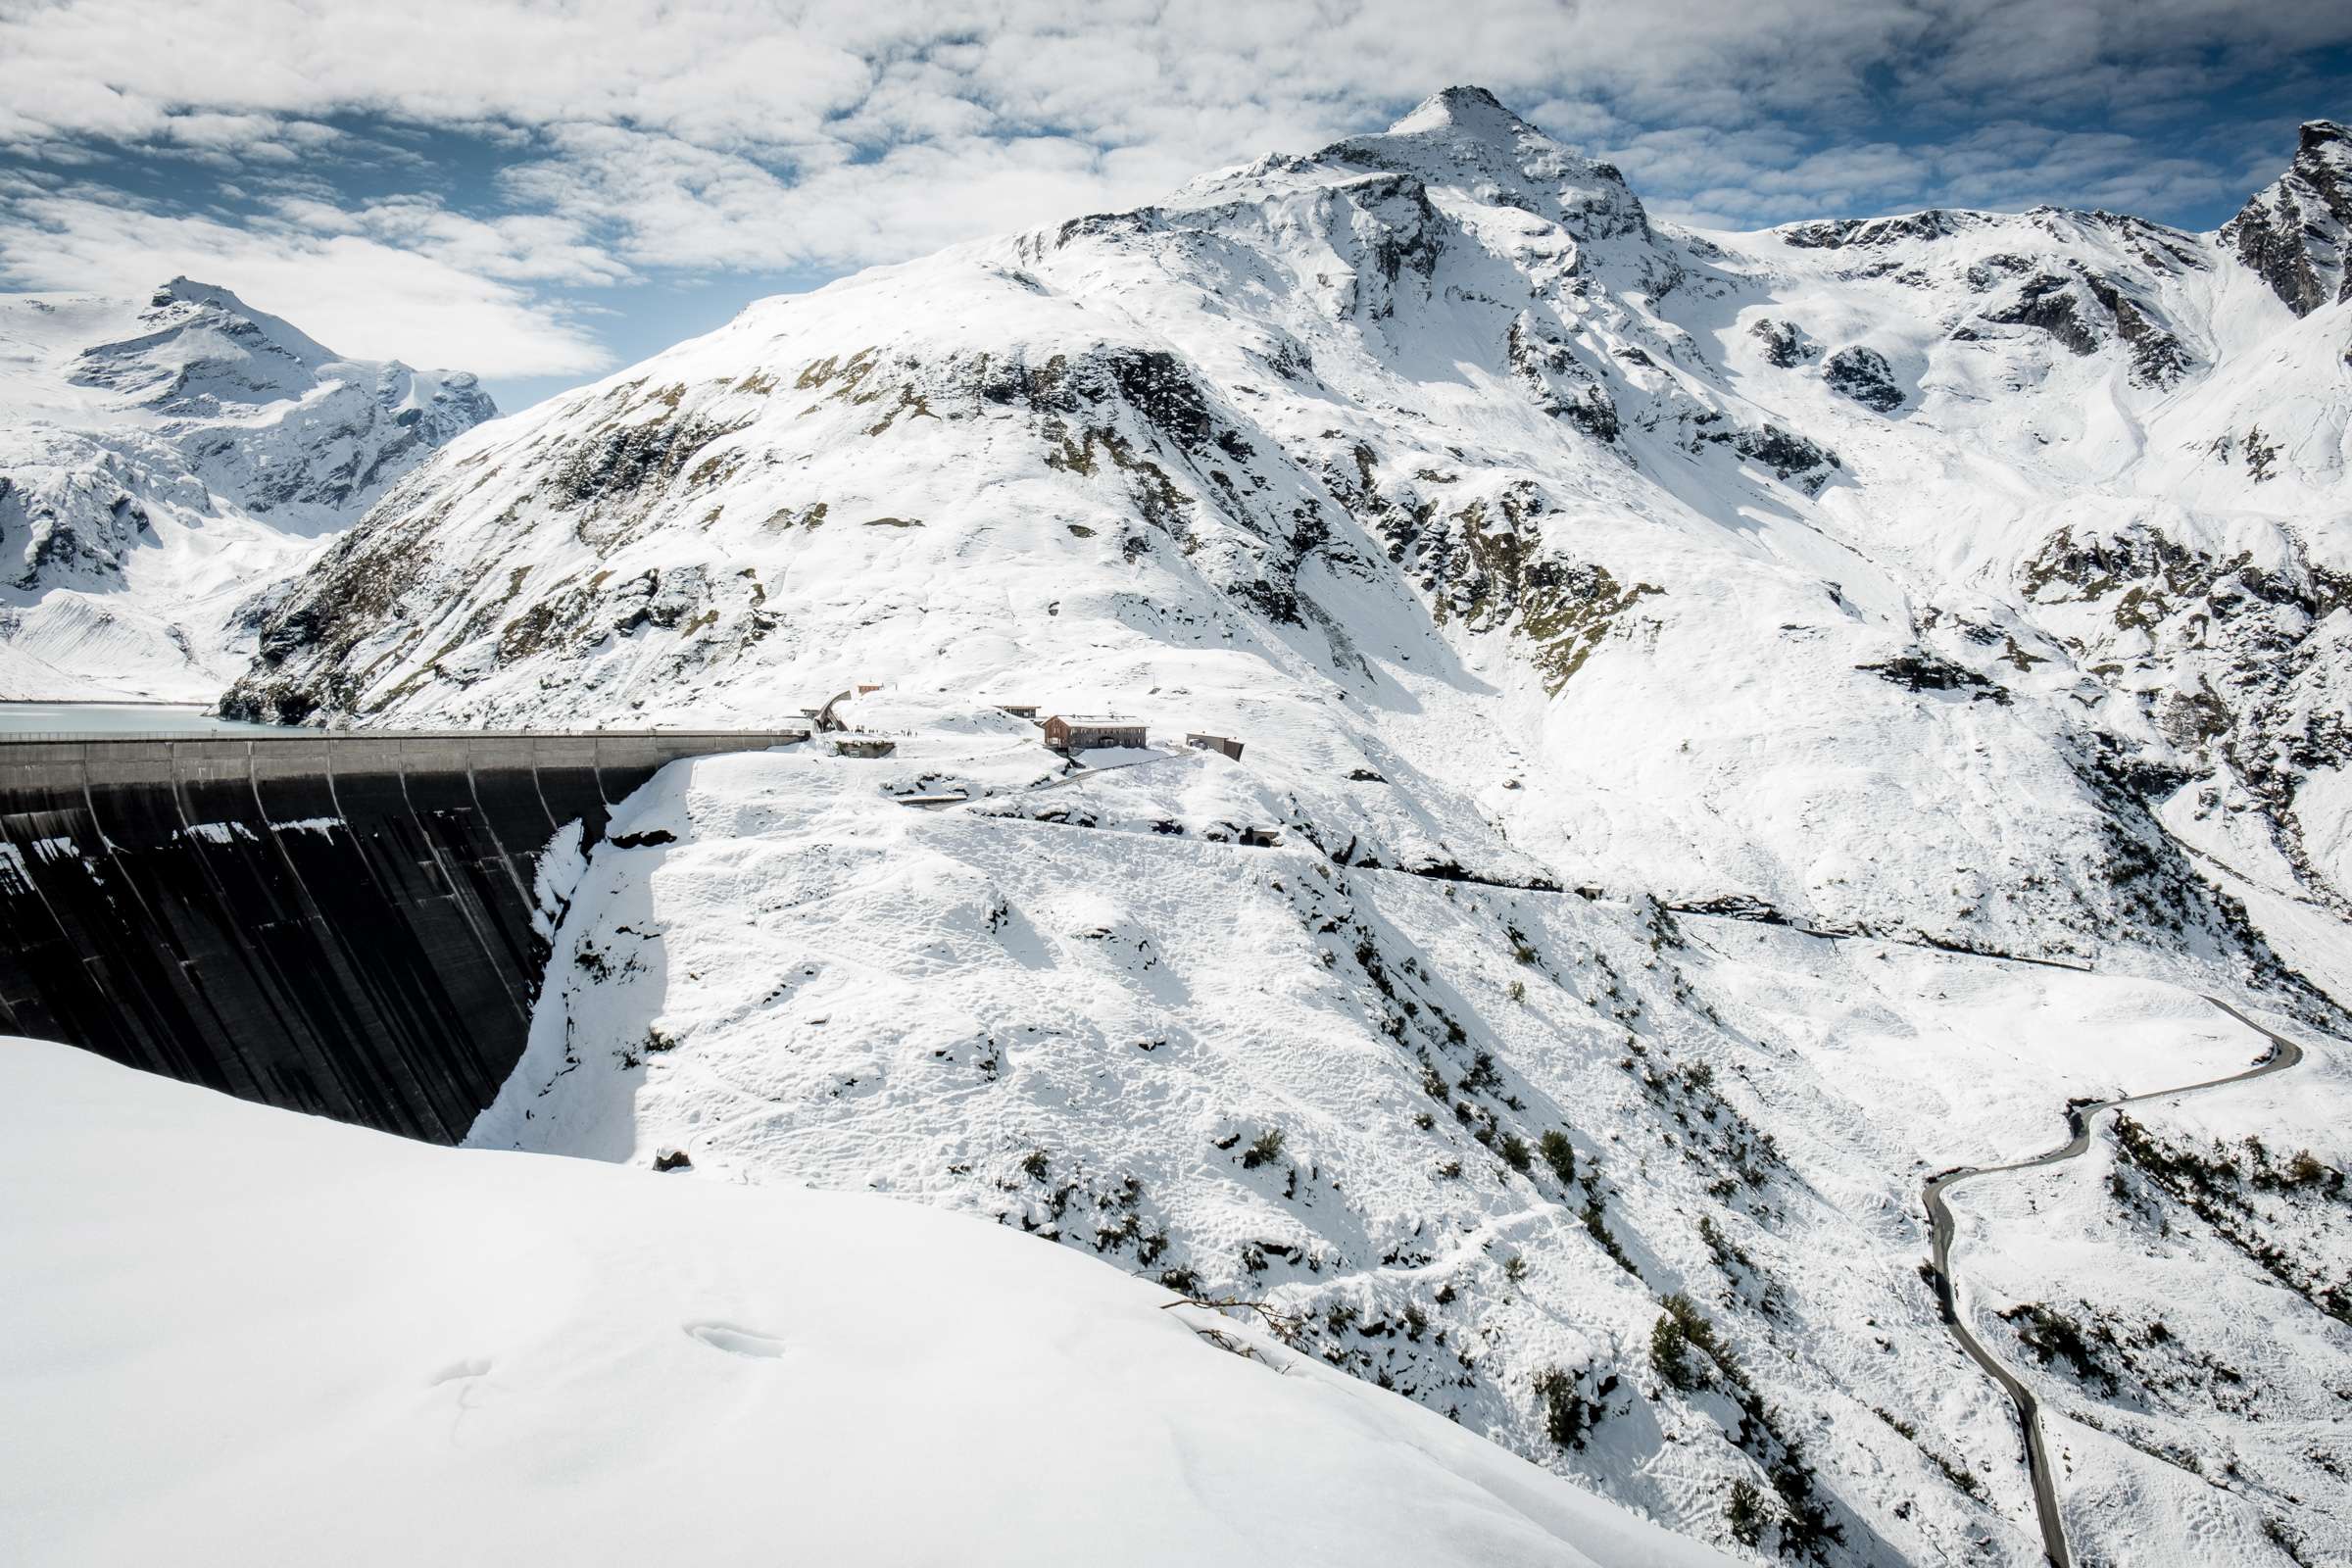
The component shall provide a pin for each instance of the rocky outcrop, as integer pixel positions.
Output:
(2084, 311)
(1868, 233)
(1786, 344)
(2233, 657)
(1864, 375)
(2294, 233)
(1791, 458)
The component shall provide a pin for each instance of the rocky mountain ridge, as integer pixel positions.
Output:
(2295, 231)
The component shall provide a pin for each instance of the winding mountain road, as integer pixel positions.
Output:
(2079, 1119)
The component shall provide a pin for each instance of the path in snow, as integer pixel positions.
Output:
(2283, 1054)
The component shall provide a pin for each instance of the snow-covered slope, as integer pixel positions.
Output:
(1477, 1138)
(163, 462)
(236, 1334)
(1972, 580)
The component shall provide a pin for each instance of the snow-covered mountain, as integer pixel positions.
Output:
(1977, 582)
(164, 461)
(1724, 536)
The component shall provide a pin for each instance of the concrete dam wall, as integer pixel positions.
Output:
(338, 923)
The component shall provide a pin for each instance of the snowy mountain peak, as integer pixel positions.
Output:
(1465, 139)
(198, 350)
(187, 290)
(1463, 110)
(162, 458)
(2295, 232)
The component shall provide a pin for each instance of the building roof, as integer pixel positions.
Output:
(1101, 719)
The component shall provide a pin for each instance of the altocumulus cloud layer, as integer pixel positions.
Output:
(486, 183)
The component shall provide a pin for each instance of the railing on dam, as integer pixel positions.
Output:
(345, 922)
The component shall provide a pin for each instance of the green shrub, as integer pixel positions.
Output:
(1567, 1415)
(1264, 1152)
(1669, 1354)
(1744, 1512)
(1599, 1230)
(1559, 1153)
(1681, 1330)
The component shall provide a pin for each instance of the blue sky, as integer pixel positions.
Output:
(546, 192)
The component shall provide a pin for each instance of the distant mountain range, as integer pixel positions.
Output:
(164, 461)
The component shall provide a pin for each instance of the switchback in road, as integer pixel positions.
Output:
(2079, 1119)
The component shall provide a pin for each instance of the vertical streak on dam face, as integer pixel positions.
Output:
(337, 923)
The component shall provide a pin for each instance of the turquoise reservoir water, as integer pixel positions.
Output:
(114, 718)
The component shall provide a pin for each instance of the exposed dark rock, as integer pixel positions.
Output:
(1864, 375)
(1987, 274)
(2295, 233)
(1786, 454)
(1784, 342)
(2157, 358)
(2049, 301)
(1838, 233)
(1736, 906)
(2257, 633)
(1561, 383)
(620, 460)
(1159, 387)
(1923, 672)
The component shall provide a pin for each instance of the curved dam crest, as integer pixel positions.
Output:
(341, 923)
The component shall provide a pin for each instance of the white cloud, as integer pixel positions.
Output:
(733, 74)
(356, 294)
(672, 204)
(642, 136)
(514, 247)
(1720, 179)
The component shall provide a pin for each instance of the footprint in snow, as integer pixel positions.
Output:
(736, 1342)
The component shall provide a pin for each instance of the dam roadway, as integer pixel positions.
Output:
(342, 922)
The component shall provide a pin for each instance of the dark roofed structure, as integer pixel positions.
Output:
(1081, 732)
